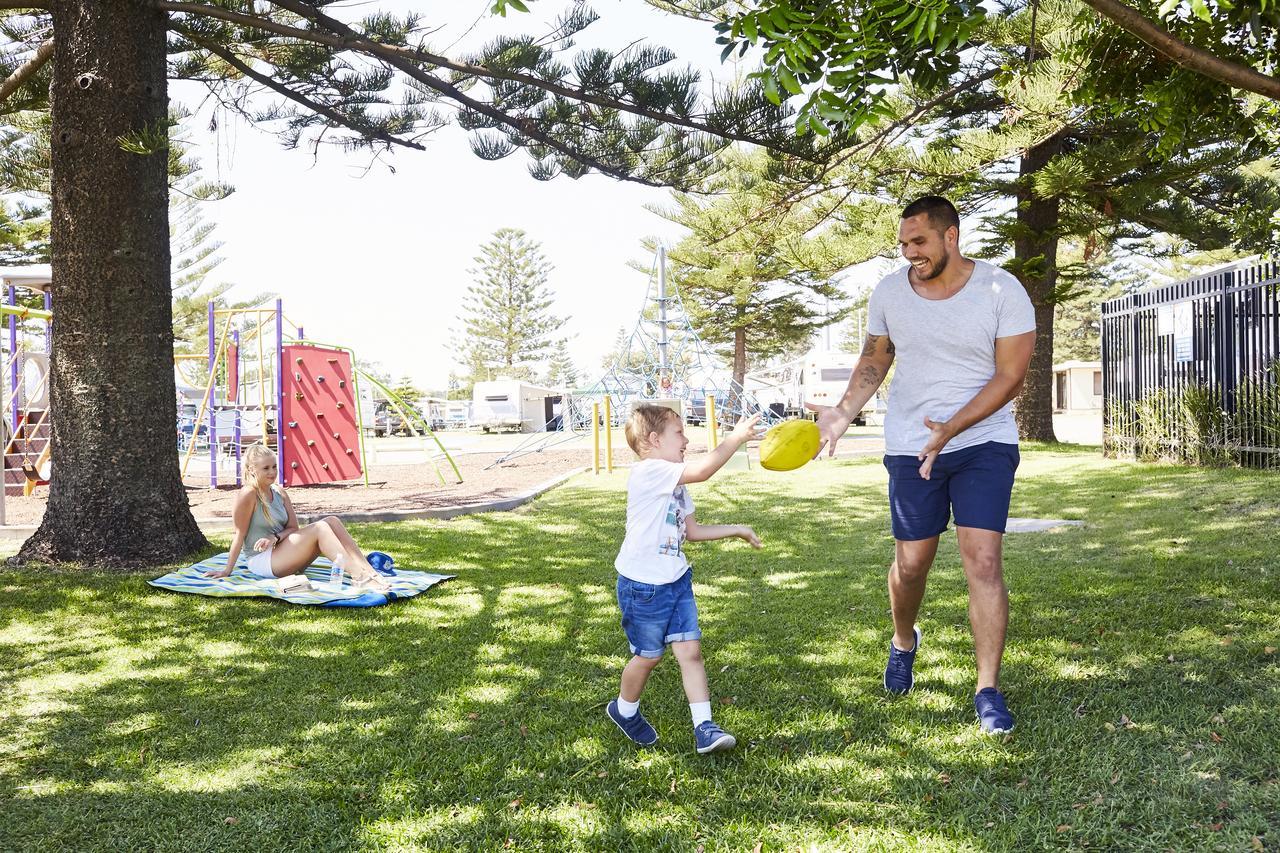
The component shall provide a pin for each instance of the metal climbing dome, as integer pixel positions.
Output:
(664, 360)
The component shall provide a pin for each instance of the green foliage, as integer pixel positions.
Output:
(843, 56)
(407, 391)
(375, 84)
(507, 323)
(24, 234)
(561, 371)
(1192, 425)
(1165, 97)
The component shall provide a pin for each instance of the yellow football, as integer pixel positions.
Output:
(789, 445)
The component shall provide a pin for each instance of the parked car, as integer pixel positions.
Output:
(387, 420)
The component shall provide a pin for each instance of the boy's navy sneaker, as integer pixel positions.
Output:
(993, 713)
(711, 738)
(636, 727)
(898, 675)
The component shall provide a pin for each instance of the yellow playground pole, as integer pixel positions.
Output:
(595, 438)
(608, 435)
(713, 437)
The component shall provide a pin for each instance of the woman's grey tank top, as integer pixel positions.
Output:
(258, 526)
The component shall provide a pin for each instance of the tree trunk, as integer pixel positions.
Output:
(1035, 263)
(116, 496)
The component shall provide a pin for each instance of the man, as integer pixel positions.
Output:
(962, 331)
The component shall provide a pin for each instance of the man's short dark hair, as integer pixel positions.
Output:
(942, 213)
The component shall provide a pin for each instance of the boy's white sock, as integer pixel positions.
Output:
(630, 709)
(701, 712)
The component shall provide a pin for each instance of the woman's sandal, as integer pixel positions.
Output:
(372, 581)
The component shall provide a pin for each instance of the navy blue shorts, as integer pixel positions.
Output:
(655, 615)
(974, 484)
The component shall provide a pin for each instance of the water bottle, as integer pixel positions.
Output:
(335, 574)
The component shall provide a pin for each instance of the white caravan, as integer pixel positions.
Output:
(512, 404)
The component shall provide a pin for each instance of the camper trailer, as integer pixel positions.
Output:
(457, 414)
(820, 377)
(512, 404)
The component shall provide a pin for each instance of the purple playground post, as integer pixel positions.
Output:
(210, 403)
(302, 335)
(280, 437)
(13, 362)
(235, 338)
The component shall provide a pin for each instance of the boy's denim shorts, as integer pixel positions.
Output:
(656, 615)
(975, 484)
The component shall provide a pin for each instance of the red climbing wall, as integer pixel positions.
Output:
(321, 438)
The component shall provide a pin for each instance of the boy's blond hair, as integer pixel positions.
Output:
(645, 418)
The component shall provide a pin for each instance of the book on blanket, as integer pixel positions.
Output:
(294, 583)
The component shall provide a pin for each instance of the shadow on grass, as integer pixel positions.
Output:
(473, 715)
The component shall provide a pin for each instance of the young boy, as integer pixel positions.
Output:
(655, 581)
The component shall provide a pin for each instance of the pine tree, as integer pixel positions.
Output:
(755, 277)
(406, 390)
(508, 325)
(561, 372)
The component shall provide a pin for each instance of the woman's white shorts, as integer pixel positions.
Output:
(260, 564)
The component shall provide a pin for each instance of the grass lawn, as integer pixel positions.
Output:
(1142, 667)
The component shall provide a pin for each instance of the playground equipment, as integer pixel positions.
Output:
(298, 396)
(24, 406)
(664, 361)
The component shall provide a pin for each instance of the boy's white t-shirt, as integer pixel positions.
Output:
(657, 507)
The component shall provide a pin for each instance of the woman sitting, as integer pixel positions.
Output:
(264, 517)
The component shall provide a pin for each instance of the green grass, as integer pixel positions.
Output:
(1141, 667)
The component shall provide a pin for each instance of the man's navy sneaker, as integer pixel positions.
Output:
(993, 714)
(635, 727)
(898, 677)
(711, 738)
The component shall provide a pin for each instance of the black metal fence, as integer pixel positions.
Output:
(1191, 371)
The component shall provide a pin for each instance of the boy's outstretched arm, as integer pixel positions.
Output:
(703, 467)
(695, 532)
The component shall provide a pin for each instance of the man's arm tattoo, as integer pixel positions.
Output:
(869, 376)
(873, 342)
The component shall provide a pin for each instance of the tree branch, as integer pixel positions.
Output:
(24, 4)
(1188, 56)
(24, 71)
(352, 40)
(279, 88)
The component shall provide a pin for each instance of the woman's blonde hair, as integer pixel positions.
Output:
(645, 419)
(254, 456)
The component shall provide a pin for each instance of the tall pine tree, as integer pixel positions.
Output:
(508, 325)
(754, 276)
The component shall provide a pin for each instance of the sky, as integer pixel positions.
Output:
(378, 260)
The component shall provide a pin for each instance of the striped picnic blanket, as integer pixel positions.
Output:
(241, 582)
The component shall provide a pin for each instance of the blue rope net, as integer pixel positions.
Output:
(690, 373)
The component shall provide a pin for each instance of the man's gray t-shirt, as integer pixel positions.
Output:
(945, 354)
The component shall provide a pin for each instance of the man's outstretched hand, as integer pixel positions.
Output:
(832, 425)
